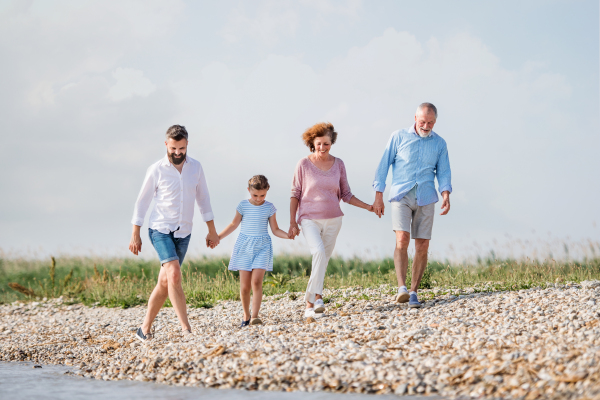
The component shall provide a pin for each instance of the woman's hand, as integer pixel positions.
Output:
(294, 230)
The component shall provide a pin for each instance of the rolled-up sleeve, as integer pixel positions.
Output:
(297, 182)
(442, 171)
(389, 154)
(144, 197)
(203, 197)
(345, 192)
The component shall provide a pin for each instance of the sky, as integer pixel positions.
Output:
(89, 89)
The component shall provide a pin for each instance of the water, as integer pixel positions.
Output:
(22, 381)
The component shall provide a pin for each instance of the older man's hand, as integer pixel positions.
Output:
(378, 205)
(445, 203)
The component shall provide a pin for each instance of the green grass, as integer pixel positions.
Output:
(127, 282)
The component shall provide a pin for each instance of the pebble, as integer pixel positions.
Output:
(528, 344)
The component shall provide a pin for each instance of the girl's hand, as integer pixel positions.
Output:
(370, 209)
(294, 230)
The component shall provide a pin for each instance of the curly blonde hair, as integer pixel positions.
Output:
(259, 182)
(318, 130)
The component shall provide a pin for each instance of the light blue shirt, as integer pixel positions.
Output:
(415, 160)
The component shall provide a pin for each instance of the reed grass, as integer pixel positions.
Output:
(128, 282)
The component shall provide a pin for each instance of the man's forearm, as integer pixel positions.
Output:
(446, 194)
(211, 226)
(136, 230)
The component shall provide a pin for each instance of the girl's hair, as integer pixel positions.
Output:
(258, 182)
(318, 130)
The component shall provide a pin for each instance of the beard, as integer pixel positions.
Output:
(423, 134)
(176, 160)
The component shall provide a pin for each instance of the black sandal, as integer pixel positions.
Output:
(245, 323)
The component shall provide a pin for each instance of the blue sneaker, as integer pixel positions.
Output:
(140, 335)
(245, 323)
(413, 302)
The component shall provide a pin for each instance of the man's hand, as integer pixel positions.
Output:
(212, 240)
(445, 203)
(135, 244)
(378, 205)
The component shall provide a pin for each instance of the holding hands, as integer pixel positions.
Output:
(378, 205)
(212, 239)
(294, 230)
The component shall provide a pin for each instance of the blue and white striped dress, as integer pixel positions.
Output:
(253, 248)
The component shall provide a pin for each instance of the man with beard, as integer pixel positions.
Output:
(174, 183)
(417, 155)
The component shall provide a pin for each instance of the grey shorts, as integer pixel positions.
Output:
(409, 217)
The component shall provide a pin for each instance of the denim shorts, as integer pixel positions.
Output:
(168, 247)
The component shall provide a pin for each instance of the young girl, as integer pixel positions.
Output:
(253, 252)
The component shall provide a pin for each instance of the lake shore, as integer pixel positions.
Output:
(536, 343)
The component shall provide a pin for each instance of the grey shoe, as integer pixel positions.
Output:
(140, 335)
(414, 301)
(319, 306)
(402, 296)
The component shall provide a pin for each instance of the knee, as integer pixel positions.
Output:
(402, 241)
(421, 245)
(256, 284)
(163, 282)
(245, 288)
(319, 252)
(173, 272)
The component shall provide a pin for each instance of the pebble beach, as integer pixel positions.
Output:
(528, 344)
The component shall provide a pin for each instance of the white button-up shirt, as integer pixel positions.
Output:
(174, 194)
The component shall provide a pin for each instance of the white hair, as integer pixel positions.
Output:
(428, 106)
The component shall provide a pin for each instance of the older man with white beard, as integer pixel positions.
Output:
(417, 155)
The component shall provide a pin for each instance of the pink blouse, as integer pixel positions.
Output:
(319, 192)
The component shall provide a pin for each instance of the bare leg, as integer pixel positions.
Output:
(245, 283)
(257, 290)
(401, 256)
(156, 300)
(419, 263)
(176, 293)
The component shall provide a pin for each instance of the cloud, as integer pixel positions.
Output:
(60, 44)
(130, 82)
(494, 120)
(271, 21)
(326, 7)
(92, 126)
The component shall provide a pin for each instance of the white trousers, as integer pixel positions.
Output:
(321, 235)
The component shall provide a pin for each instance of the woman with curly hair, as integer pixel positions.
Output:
(319, 184)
